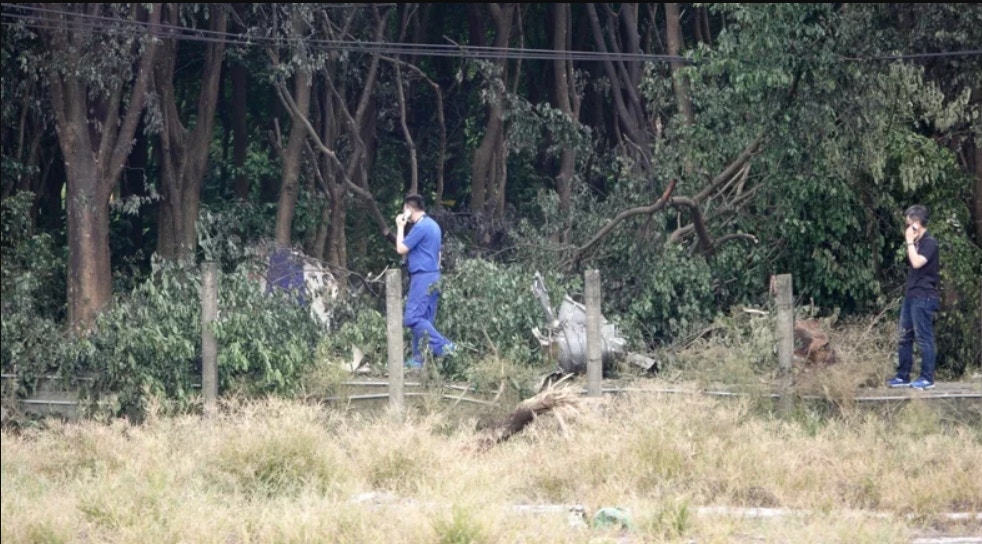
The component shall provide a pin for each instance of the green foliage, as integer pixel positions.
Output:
(669, 293)
(360, 326)
(266, 340)
(32, 292)
(147, 345)
(961, 279)
(32, 278)
(488, 308)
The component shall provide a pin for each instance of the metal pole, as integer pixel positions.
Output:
(393, 320)
(785, 341)
(594, 349)
(209, 345)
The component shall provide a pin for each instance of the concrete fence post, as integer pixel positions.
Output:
(594, 340)
(785, 341)
(209, 345)
(393, 320)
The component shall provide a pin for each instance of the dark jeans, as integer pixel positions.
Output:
(917, 323)
(421, 305)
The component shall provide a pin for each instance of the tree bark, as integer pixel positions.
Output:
(95, 137)
(629, 115)
(292, 157)
(978, 189)
(240, 129)
(673, 32)
(488, 157)
(183, 152)
(568, 101)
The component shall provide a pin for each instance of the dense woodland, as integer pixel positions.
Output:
(688, 151)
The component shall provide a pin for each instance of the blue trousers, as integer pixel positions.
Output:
(917, 324)
(421, 304)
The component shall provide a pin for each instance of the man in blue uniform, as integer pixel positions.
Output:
(920, 302)
(422, 250)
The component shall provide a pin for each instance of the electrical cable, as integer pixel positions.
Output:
(163, 30)
(123, 27)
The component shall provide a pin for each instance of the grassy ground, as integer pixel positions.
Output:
(294, 471)
(285, 471)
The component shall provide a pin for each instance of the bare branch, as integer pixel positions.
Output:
(657, 206)
(135, 108)
(732, 169)
(737, 236)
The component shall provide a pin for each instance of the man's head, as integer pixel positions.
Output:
(413, 204)
(916, 215)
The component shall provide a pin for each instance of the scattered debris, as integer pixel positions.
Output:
(612, 517)
(559, 400)
(811, 345)
(564, 336)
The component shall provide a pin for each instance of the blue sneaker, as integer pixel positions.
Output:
(898, 382)
(922, 384)
(413, 364)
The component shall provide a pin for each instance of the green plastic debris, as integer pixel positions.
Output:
(612, 517)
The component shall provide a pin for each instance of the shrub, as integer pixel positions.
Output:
(488, 308)
(147, 345)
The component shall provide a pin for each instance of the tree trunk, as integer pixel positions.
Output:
(488, 157)
(629, 119)
(184, 153)
(673, 32)
(292, 159)
(978, 189)
(240, 129)
(95, 134)
(90, 273)
(568, 102)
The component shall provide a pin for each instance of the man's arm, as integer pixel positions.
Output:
(401, 247)
(916, 259)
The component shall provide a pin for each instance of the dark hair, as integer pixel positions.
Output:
(415, 201)
(918, 213)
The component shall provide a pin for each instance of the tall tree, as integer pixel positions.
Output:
(567, 99)
(184, 151)
(673, 31)
(616, 34)
(292, 153)
(98, 74)
(488, 165)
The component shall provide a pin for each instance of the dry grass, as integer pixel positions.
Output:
(279, 471)
(292, 471)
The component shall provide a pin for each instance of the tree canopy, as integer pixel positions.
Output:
(689, 151)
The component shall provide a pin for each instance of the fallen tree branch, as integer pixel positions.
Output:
(553, 398)
(731, 170)
(706, 246)
(657, 206)
(737, 236)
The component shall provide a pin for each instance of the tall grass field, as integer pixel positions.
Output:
(643, 466)
(289, 471)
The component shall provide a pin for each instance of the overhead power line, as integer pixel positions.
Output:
(40, 18)
(53, 19)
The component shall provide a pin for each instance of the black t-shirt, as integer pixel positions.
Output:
(923, 282)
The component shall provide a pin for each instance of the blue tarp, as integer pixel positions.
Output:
(286, 273)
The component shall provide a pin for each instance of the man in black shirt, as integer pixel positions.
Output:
(920, 302)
